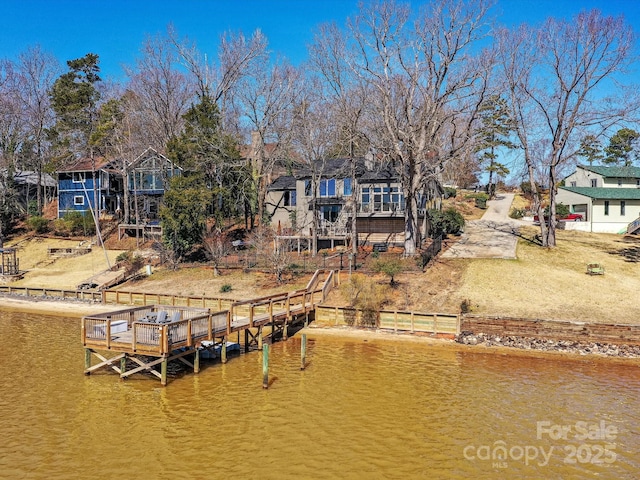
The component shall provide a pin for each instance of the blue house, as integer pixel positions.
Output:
(76, 191)
(145, 180)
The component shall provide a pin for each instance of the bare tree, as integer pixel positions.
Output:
(424, 88)
(266, 98)
(555, 75)
(162, 93)
(314, 133)
(329, 55)
(217, 245)
(37, 72)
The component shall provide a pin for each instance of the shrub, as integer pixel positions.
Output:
(450, 192)
(32, 208)
(226, 288)
(75, 223)
(131, 263)
(364, 294)
(38, 224)
(517, 213)
(447, 222)
(390, 267)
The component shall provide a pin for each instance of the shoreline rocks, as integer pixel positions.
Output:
(543, 344)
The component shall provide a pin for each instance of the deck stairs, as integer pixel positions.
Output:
(633, 227)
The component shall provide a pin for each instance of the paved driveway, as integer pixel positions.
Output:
(495, 235)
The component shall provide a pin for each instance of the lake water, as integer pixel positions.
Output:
(362, 409)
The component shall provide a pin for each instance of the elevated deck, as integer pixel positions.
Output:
(172, 332)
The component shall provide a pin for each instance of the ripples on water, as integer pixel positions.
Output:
(362, 409)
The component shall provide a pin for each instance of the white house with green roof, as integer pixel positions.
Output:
(607, 197)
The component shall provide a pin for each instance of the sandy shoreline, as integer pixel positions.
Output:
(52, 307)
(77, 310)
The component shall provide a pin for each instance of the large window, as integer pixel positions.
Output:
(328, 188)
(307, 188)
(381, 199)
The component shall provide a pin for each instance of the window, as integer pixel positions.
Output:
(594, 182)
(78, 177)
(619, 182)
(573, 184)
(289, 198)
(78, 200)
(622, 207)
(346, 190)
(381, 199)
(606, 207)
(328, 188)
(307, 188)
(638, 182)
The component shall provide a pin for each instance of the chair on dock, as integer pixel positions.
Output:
(162, 317)
(176, 316)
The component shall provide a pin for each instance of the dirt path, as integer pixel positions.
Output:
(495, 235)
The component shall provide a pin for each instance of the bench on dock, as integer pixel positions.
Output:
(595, 269)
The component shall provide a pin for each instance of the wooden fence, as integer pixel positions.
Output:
(397, 321)
(52, 293)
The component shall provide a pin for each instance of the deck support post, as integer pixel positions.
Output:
(265, 365)
(123, 364)
(223, 350)
(303, 352)
(163, 372)
(196, 361)
(260, 338)
(87, 360)
(284, 330)
(246, 340)
(306, 319)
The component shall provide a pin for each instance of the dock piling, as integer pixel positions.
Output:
(303, 352)
(265, 365)
(223, 350)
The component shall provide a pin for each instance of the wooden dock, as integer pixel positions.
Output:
(157, 334)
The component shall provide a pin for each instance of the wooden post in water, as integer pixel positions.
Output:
(123, 364)
(223, 350)
(284, 330)
(87, 359)
(163, 372)
(196, 361)
(303, 352)
(265, 365)
(260, 338)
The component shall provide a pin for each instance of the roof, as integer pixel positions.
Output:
(285, 182)
(26, 177)
(615, 172)
(86, 165)
(606, 193)
(334, 168)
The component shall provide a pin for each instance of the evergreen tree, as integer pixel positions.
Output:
(493, 133)
(591, 149)
(622, 147)
(206, 149)
(183, 214)
(74, 99)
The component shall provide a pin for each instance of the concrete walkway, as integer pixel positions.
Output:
(495, 235)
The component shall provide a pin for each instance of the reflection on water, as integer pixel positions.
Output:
(362, 409)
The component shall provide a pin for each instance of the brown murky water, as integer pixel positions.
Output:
(371, 409)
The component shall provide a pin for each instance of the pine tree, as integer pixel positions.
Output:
(591, 149)
(621, 147)
(493, 133)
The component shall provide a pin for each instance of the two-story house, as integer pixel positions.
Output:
(608, 197)
(335, 195)
(144, 179)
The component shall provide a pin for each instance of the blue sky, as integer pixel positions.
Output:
(115, 29)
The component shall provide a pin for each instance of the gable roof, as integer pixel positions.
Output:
(606, 193)
(613, 172)
(86, 165)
